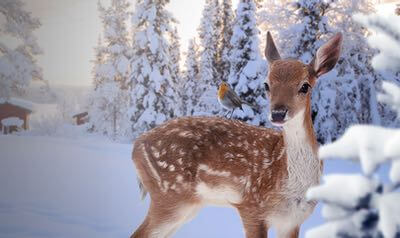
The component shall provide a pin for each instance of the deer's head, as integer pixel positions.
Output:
(290, 81)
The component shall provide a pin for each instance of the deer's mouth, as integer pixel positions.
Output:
(278, 117)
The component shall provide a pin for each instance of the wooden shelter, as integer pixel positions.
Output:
(81, 118)
(15, 108)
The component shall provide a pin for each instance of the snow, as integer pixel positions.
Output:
(19, 102)
(352, 188)
(386, 38)
(389, 213)
(361, 142)
(394, 173)
(85, 186)
(390, 95)
(12, 121)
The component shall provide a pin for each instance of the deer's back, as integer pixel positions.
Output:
(196, 155)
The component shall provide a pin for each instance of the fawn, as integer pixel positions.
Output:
(190, 162)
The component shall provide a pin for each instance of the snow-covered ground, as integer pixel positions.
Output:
(86, 187)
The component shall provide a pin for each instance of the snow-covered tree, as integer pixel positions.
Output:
(110, 100)
(355, 66)
(176, 76)
(366, 206)
(18, 66)
(247, 68)
(209, 35)
(98, 62)
(191, 80)
(152, 93)
(116, 40)
(225, 46)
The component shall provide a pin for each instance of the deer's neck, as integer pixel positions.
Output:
(303, 166)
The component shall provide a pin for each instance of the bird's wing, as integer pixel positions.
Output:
(234, 98)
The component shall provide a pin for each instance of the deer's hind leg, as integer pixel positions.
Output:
(163, 219)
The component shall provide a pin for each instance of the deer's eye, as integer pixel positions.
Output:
(304, 89)
(266, 86)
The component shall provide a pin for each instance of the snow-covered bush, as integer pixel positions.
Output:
(362, 205)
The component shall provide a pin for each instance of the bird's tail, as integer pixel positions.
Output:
(142, 189)
(250, 105)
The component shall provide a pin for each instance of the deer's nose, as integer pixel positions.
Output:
(278, 114)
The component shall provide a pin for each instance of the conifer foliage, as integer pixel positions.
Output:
(209, 38)
(110, 99)
(18, 66)
(247, 68)
(227, 18)
(191, 80)
(153, 92)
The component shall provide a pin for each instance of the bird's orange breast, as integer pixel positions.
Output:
(222, 90)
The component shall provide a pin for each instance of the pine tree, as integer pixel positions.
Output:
(176, 76)
(247, 70)
(356, 57)
(191, 80)
(97, 62)
(18, 66)
(152, 94)
(227, 18)
(110, 99)
(209, 35)
(117, 45)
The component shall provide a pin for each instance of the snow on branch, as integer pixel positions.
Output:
(363, 143)
(386, 39)
(390, 96)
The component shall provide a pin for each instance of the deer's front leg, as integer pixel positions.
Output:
(254, 226)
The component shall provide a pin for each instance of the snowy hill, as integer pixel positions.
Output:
(86, 187)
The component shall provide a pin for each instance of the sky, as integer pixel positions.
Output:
(70, 30)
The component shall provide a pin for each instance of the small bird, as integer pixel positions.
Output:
(229, 99)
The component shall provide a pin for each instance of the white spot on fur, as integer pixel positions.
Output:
(173, 147)
(150, 165)
(223, 195)
(256, 152)
(155, 152)
(162, 164)
(210, 171)
(180, 161)
(186, 134)
(179, 178)
(165, 186)
(228, 155)
(182, 152)
(171, 168)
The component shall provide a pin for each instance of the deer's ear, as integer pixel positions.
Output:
(271, 53)
(327, 55)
